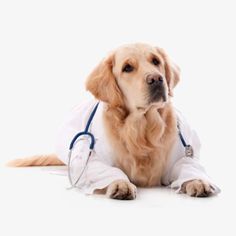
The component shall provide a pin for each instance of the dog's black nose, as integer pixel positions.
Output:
(154, 79)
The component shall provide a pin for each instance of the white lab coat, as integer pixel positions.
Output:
(100, 171)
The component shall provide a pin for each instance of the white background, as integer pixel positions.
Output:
(47, 48)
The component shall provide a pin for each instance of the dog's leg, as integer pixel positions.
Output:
(196, 188)
(122, 190)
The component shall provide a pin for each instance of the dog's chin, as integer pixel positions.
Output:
(157, 103)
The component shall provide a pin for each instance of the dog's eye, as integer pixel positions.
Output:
(128, 68)
(155, 61)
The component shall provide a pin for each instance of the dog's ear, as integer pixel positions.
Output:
(172, 71)
(102, 83)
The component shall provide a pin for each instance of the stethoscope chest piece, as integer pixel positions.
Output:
(188, 148)
(189, 151)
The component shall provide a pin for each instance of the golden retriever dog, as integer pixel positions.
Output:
(136, 83)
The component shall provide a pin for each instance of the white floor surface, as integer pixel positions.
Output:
(36, 202)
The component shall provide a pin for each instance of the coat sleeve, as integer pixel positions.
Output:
(181, 168)
(98, 173)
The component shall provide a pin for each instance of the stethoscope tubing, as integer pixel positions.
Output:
(188, 148)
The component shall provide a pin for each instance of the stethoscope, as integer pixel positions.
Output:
(188, 148)
(91, 147)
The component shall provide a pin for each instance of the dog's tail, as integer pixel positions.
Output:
(38, 160)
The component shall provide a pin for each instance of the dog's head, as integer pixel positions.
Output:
(135, 76)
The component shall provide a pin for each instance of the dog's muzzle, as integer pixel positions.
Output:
(156, 88)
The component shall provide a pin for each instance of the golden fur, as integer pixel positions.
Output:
(142, 143)
(37, 160)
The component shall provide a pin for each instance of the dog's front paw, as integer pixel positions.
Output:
(122, 190)
(196, 188)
